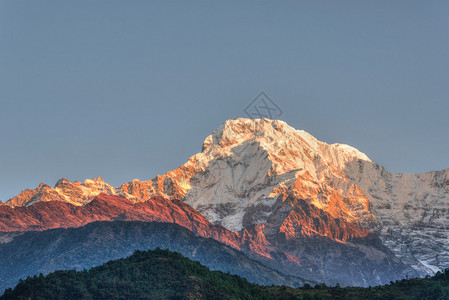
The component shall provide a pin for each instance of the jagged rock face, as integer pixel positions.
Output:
(412, 212)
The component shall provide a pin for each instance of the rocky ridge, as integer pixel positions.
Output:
(76, 193)
(297, 256)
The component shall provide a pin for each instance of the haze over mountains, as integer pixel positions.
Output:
(296, 204)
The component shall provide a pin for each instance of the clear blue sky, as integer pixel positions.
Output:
(130, 89)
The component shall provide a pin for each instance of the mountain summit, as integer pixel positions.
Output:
(281, 188)
(245, 165)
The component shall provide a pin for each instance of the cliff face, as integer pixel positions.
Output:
(412, 212)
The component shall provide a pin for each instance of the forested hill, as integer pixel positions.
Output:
(162, 274)
(158, 274)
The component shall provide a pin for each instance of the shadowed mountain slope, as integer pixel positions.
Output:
(30, 253)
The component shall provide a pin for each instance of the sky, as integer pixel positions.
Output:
(130, 89)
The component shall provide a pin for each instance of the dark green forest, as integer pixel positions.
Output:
(162, 274)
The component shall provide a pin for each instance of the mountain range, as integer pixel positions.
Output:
(298, 205)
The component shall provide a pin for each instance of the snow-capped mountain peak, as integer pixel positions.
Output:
(265, 176)
(287, 147)
(246, 164)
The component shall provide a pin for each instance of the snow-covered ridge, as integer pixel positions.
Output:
(76, 193)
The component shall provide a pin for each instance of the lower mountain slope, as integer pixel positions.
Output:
(162, 274)
(298, 239)
(29, 253)
(304, 233)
